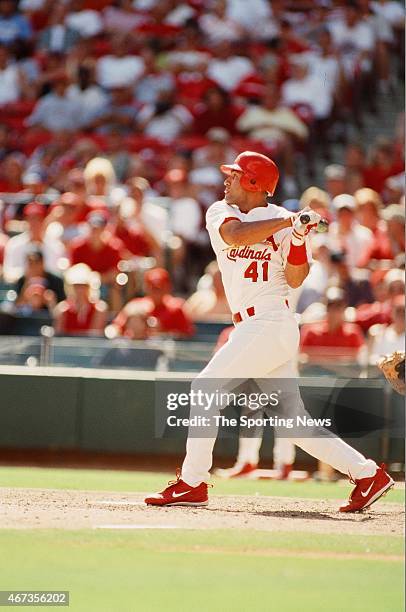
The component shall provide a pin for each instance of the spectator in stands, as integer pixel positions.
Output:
(389, 338)
(98, 250)
(121, 17)
(11, 172)
(5, 144)
(206, 163)
(80, 154)
(250, 16)
(332, 338)
(13, 25)
(394, 215)
(164, 120)
(270, 120)
(153, 216)
(217, 148)
(118, 153)
(82, 313)
(227, 69)
(127, 226)
(100, 178)
(185, 217)
(218, 27)
(119, 69)
(354, 38)
(277, 126)
(88, 94)
(318, 200)
(383, 164)
(36, 274)
(168, 311)
(13, 83)
(209, 302)
(154, 80)
(53, 65)
(386, 285)
(187, 55)
(118, 112)
(355, 284)
(346, 234)
(335, 180)
(306, 88)
(57, 111)
(86, 22)
(34, 298)
(139, 325)
(325, 62)
(217, 110)
(16, 249)
(57, 37)
(64, 220)
(76, 184)
(369, 209)
(354, 157)
(395, 188)
(35, 184)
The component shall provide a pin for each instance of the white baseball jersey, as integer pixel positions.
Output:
(252, 275)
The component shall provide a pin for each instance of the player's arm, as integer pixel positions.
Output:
(295, 274)
(242, 233)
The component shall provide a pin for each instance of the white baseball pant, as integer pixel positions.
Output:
(263, 348)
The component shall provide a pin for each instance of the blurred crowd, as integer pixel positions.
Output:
(115, 117)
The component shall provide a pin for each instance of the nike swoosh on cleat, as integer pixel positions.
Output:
(367, 491)
(180, 494)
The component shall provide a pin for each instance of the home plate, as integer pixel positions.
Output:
(114, 502)
(137, 527)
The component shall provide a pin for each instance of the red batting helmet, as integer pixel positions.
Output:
(259, 173)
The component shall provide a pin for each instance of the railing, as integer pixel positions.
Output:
(155, 354)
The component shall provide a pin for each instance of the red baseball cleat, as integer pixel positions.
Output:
(178, 493)
(238, 470)
(368, 490)
(284, 471)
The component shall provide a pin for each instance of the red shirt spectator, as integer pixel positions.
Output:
(134, 239)
(368, 209)
(382, 166)
(160, 305)
(217, 111)
(80, 314)
(346, 335)
(98, 250)
(387, 286)
(371, 314)
(76, 320)
(332, 338)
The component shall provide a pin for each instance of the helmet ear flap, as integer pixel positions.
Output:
(249, 183)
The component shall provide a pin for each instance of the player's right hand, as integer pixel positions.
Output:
(300, 230)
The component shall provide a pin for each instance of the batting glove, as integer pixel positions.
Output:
(300, 230)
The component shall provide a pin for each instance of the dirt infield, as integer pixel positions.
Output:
(61, 509)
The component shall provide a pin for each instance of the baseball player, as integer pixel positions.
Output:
(262, 251)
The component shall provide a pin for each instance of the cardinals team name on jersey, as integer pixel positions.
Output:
(247, 252)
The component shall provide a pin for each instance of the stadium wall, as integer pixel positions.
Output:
(113, 412)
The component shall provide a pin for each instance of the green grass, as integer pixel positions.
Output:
(194, 571)
(109, 480)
